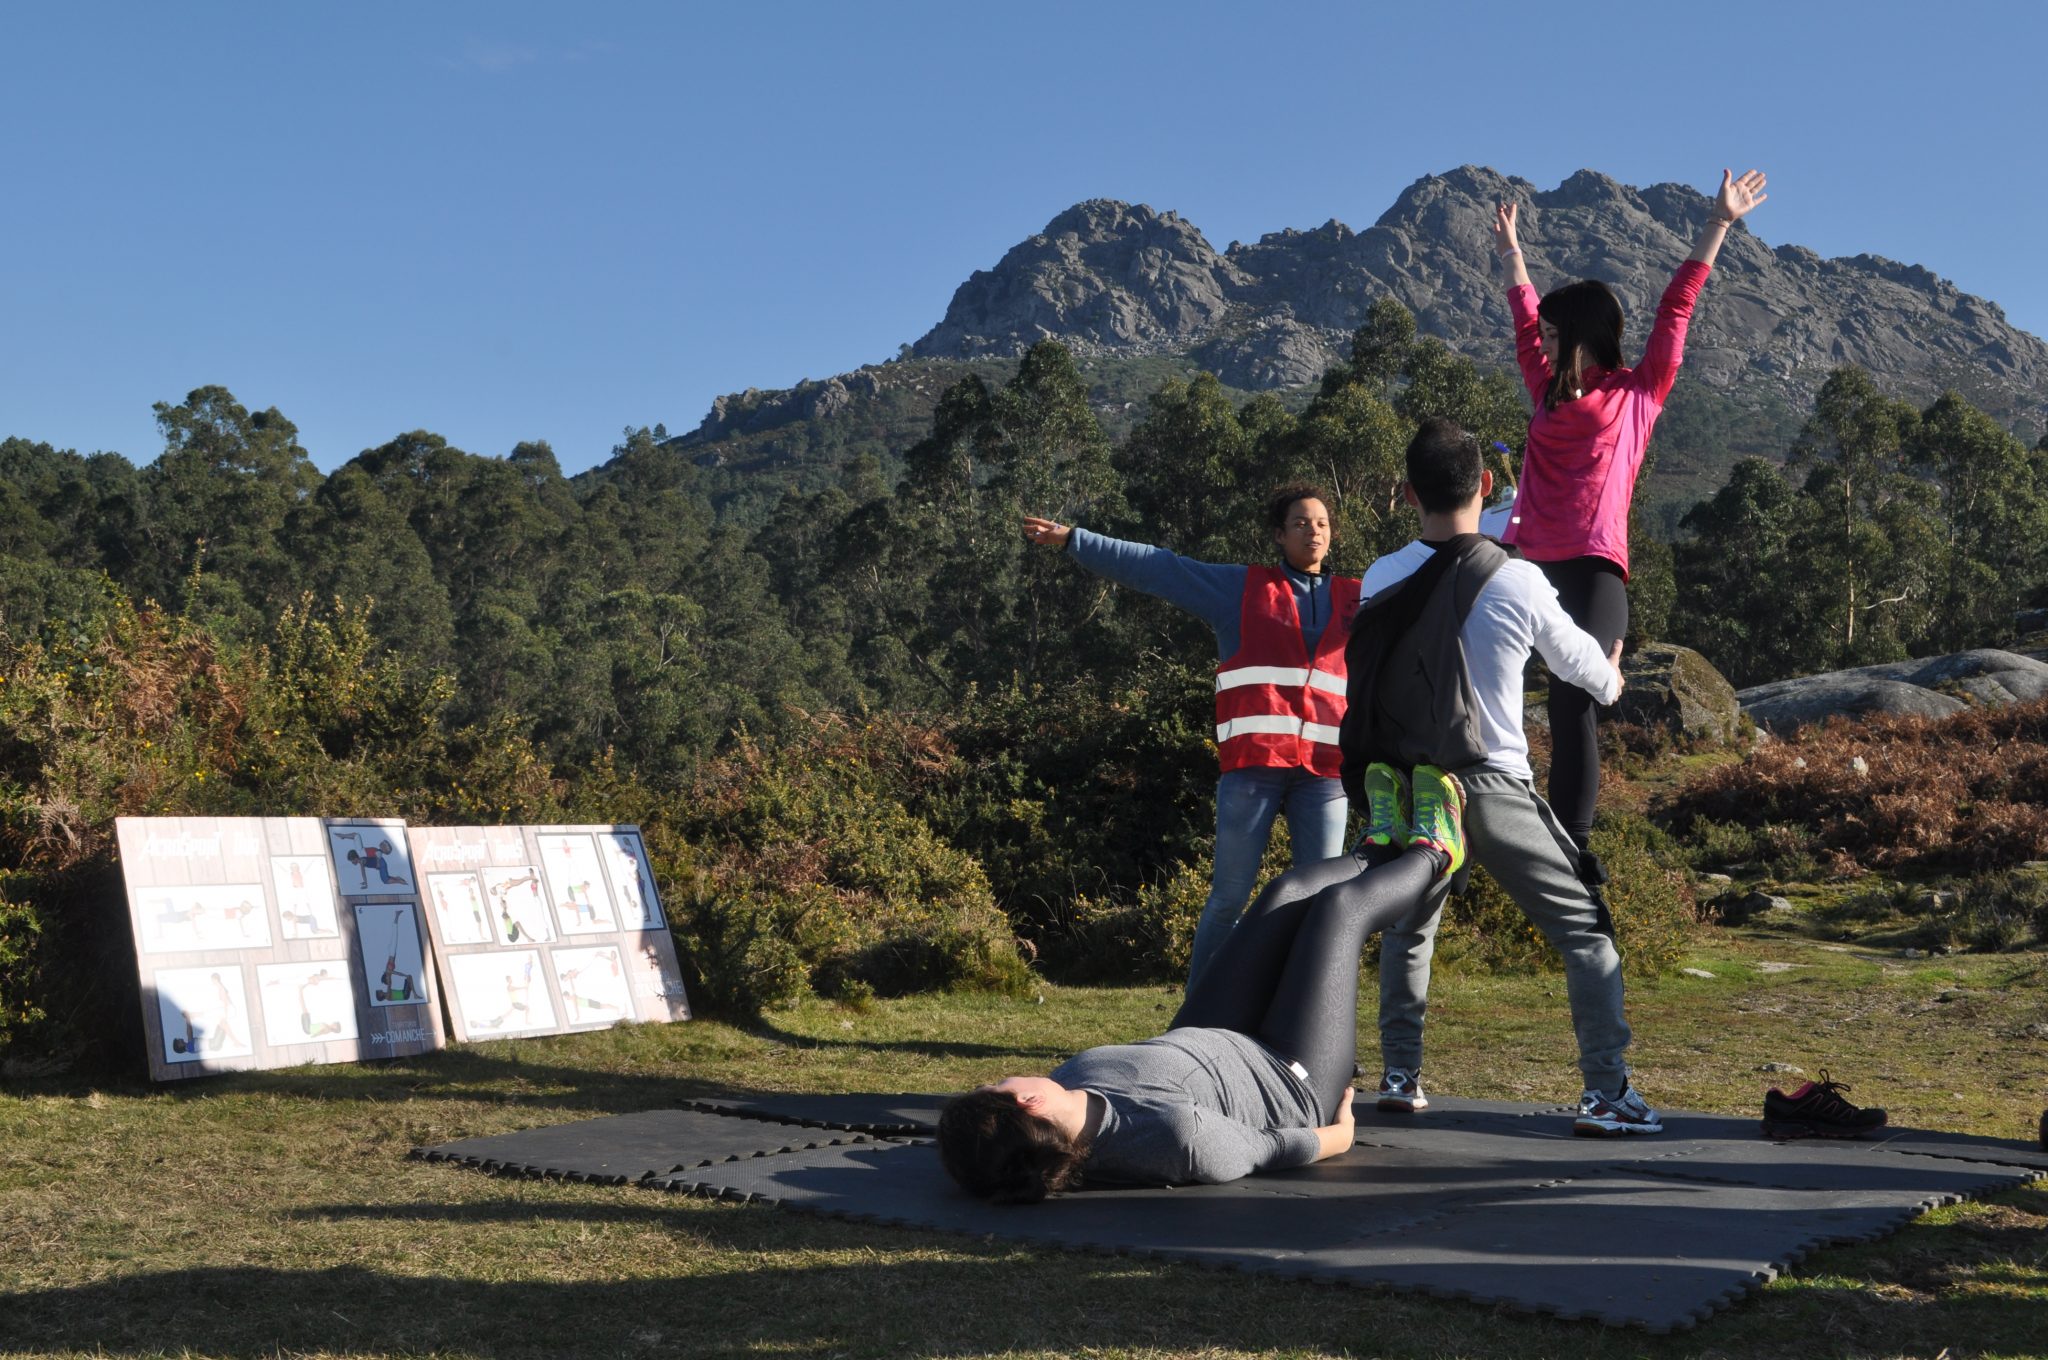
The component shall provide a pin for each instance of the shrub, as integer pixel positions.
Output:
(129, 710)
(21, 928)
(1150, 939)
(1888, 793)
(1090, 790)
(810, 874)
(1483, 927)
(1655, 911)
(1723, 845)
(2001, 911)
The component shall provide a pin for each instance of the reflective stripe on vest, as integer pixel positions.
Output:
(1281, 675)
(1276, 706)
(1276, 723)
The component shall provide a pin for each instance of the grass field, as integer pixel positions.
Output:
(277, 1213)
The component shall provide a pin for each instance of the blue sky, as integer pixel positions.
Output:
(514, 221)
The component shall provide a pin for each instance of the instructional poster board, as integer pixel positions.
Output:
(546, 929)
(275, 941)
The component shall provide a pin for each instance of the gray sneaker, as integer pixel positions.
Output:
(1605, 1116)
(1401, 1091)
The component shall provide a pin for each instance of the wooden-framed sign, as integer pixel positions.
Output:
(275, 941)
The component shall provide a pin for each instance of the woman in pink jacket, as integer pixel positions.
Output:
(1585, 446)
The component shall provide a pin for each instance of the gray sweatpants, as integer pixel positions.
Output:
(1512, 834)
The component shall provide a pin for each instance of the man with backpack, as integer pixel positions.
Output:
(1435, 668)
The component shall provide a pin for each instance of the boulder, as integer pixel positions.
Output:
(1678, 690)
(1932, 687)
(1794, 704)
(1734, 909)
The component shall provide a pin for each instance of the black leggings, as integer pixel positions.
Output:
(1593, 592)
(1287, 974)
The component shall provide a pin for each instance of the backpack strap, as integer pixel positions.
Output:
(1477, 561)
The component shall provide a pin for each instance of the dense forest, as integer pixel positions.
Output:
(877, 741)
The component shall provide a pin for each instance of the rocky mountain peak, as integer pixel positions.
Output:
(1112, 277)
(1589, 189)
(1103, 275)
(1475, 183)
(1097, 219)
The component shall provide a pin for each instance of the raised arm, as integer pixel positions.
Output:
(1665, 349)
(1529, 355)
(1507, 247)
(1731, 205)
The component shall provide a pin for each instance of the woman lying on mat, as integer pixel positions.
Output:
(1254, 1074)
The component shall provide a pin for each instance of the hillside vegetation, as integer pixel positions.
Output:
(879, 744)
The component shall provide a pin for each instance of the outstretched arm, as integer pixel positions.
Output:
(1047, 533)
(1737, 197)
(1211, 591)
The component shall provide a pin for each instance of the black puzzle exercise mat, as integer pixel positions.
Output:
(630, 1147)
(1453, 1110)
(900, 1115)
(911, 1115)
(1965, 1147)
(1651, 1232)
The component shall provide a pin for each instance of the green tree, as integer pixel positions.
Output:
(218, 498)
(1739, 600)
(353, 544)
(1380, 348)
(1993, 519)
(1192, 472)
(1351, 443)
(1045, 449)
(1851, 449)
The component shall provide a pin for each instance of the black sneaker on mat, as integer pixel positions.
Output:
(1817, 1110)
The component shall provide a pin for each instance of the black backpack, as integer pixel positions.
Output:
(1409, 697)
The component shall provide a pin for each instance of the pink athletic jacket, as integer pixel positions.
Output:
(1579, 467)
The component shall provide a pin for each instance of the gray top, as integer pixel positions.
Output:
(1193, 1105)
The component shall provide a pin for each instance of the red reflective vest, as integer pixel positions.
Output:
(1276, 706)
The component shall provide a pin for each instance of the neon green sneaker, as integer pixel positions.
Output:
(1440, 815)
(1386, 806)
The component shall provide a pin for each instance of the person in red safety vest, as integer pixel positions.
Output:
(1280, 635)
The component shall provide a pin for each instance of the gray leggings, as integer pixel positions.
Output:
(1287, 974)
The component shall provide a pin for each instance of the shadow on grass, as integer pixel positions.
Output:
(748, 1280)
(512, 1074)
(927, 1048)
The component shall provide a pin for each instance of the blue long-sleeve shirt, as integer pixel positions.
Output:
(1210, 591)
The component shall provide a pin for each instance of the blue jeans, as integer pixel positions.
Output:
(1247, 801)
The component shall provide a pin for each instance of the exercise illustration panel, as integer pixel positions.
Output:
(181, 920)
(457, 901)
(370, 857)
(248, 957)
(204, 1013)
(306, 1002)
(625, 860)
(576, 884)
(399, 981)
(501, 992)
(305, 897)
(546, 929)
